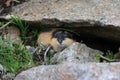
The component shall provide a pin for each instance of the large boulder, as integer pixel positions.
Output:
(72, 71)
(105, 12)
(99, 17)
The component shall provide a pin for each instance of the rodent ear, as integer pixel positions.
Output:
(68, 34)
(56, 33)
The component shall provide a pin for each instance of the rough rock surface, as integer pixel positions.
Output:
(13, 33)
(103, 11)
(74, 13)
(78, 53)
(4, 75)
(1, 68)
(73, 71)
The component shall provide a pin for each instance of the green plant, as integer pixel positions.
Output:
(1, 24)
(34, 36)
(111, 56)
(23, 26)
(97, 57)
(35, 33)
(49, 57)
(14, 57)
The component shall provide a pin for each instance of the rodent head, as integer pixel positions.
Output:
(61, 35)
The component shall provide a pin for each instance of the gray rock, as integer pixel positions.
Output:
(8, 76)
(31, 49)
(73, 71)
(4, 75)
(2, 70)
(11, 33)
(78, 13)
(89, 11)
(77, 52)
(1, 67)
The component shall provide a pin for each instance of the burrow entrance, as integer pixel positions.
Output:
(100, 38)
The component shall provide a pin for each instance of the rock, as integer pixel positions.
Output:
(31, 49)
(1, 67)
(91, 12)
(102, 15)
(5, 75)
(13, 33)
(72, 71)
(8, 76)
(1, 70)
(78, 53)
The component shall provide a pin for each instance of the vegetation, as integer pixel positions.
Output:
(14, 57)
(49, 58)
(1, 24)
(34, 36)
(21, 25)
(97, 57)
(111, 57)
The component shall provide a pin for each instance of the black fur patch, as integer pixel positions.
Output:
(61, 35)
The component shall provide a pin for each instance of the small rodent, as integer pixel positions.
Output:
(58, 39)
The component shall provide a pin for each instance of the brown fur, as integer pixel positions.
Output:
(54, 44)
(45, 38)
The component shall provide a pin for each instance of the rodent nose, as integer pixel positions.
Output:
(60, 41)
